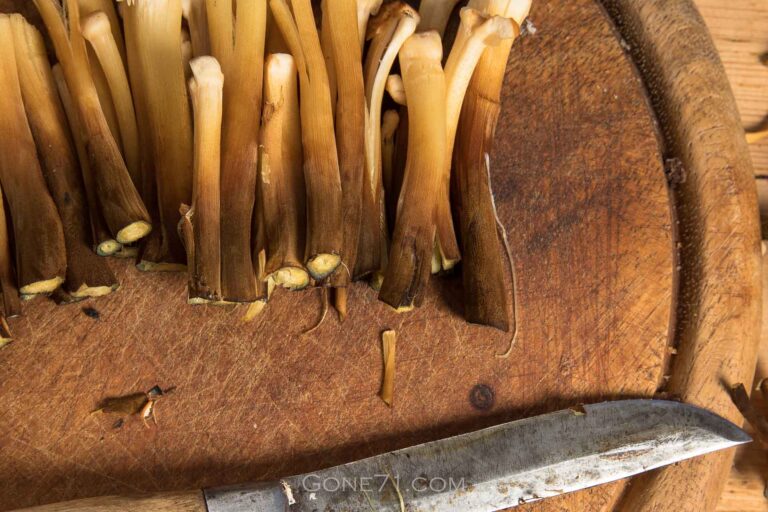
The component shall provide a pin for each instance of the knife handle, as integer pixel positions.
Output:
(191, 501)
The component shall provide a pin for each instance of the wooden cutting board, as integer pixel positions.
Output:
(580, 185)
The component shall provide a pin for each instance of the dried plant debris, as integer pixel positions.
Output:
(134, 404)
(388, 344)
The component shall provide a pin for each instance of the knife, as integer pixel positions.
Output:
(484, 471)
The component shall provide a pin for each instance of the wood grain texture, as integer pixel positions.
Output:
(740, 31)
(192, 501)
(718, 319)
(580, 187)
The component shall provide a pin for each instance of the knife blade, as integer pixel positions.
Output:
(503, 466)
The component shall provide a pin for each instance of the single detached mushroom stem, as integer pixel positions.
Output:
(388, 35)
(408, 270)
(87, 275)
(9, 292)
(396, 89)
(321, 165)
(240, 149)
(153, 32)
(485, 288)
(195, 13)
(38, 235)
(102, 240)
(281, 177)
(200, 225)
(221, 30)
(476, 32)
(435, 14)
(350, 132)
(121, 205)
(97, 31)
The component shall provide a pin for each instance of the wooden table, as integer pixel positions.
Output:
(740, 31)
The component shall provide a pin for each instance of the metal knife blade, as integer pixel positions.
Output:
(502, 466)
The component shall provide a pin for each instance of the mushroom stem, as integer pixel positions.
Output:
(435, 14)
(321, 165)
(101, 239)
(408, 270)
(485, 288)
(200, 225)
(366, 9)
(327, 46)
(240, 142)
(107, 7)
(38, 235)
(97, 31)
(86, 7)
(9, 292)
(121, 205)
(221, 30)
(153, 32)
(87, 275)
(476, 32)
(281, 179)
(350, 129)
(195, 13)
(388, 35)
(389, 124)
(396, 89)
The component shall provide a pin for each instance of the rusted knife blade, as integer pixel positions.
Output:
(502, 466)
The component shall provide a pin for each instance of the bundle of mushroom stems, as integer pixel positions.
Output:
(254, 144)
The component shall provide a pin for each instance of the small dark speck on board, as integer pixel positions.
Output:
(92, 313)
(481, 397)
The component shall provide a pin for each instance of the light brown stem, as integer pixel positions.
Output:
(38, 236)
(87, 275)
(281, 178)
(107, 7)
(101, 239)
(9, 292)
(321, 166)
(408, 271)
(106, 101)
(350, 127)
(153, 30)
(200, 224)
(435, 14)
(327, 47)
(389, 124)
(240, 136)
(485, 286)
(97, 31)
(389, 34)
(221, 30)
(396, 89)
(366, 9)
(476, 33)
(197, 20)
(121, 205)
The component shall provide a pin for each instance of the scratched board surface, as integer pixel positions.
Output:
(580, 187)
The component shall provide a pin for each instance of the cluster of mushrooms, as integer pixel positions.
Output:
(250, 143)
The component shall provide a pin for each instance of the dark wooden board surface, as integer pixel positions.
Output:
(580, 187)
